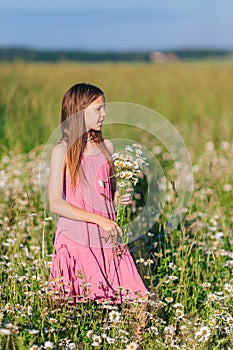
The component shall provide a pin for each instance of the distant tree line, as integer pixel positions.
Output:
(25, 54)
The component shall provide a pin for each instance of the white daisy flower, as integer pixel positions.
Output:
(48, 345)
(96, 338)
(169, 299)
(203, 334)
(129, 148)
(110, 340)
(5, 331)
(228, 287)
(132, 346)
(148, 262)
(114, 316)
(89, 333)
(179, 314)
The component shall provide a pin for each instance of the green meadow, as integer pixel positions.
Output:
(195, 97)
(188, 271)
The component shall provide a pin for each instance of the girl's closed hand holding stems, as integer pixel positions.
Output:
(86, 264)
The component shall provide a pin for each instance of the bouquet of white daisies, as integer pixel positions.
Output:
(128, 171)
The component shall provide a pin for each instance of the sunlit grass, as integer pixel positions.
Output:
(195, 97)
(189, 271)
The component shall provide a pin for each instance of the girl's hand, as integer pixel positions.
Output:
(110, 226)
(125, 199)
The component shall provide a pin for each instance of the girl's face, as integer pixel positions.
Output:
(95, 113)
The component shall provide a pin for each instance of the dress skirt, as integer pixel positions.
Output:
(80, 273)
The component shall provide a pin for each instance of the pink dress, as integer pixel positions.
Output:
(85, 265)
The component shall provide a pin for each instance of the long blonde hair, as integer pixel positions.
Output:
(73, 130)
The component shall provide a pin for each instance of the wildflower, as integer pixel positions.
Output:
(203, 334)
(228, 287)
(126, 175)
(5, 331)
(227, 187)
(161, 304)
(36, 278)
(171, 278)
(9, 308)
(219, 293)
(124, 339)
(122, 331)
(179, 314)
(52, 320)
(132, 346)
(29, 293)
(115, 155)
(122, 184)
(89, 333)
(169, 299)
(34, 347)
(154, 330)
(49, 330)
(172, 265)
(95, 343)
(110, 340)
(212, 322)
(169, 330)
(119, 163)
(219, 235)
(141, 260)
(128, 165)
(48, 345)
(205, 285)
(10, 326)
(178, 305)
(96, 338)
(137, 145)
(218, 314)
(114, 316)
(33, 331)
(157, 149)
(225, 145)
(149, 234)
(146, 277)
(148, 262)
(213, 222)
(212, 297)
(159, 255)
(209, 146)
(229, 320)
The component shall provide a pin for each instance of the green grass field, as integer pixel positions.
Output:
(189, 271)
(195, 97)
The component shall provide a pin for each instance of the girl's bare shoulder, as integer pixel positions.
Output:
(59, 150)
(109, 145)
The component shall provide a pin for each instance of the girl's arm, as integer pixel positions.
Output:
(60, 206)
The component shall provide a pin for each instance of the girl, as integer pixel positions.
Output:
(87, 262)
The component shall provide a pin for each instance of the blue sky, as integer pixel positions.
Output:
(117, 25)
